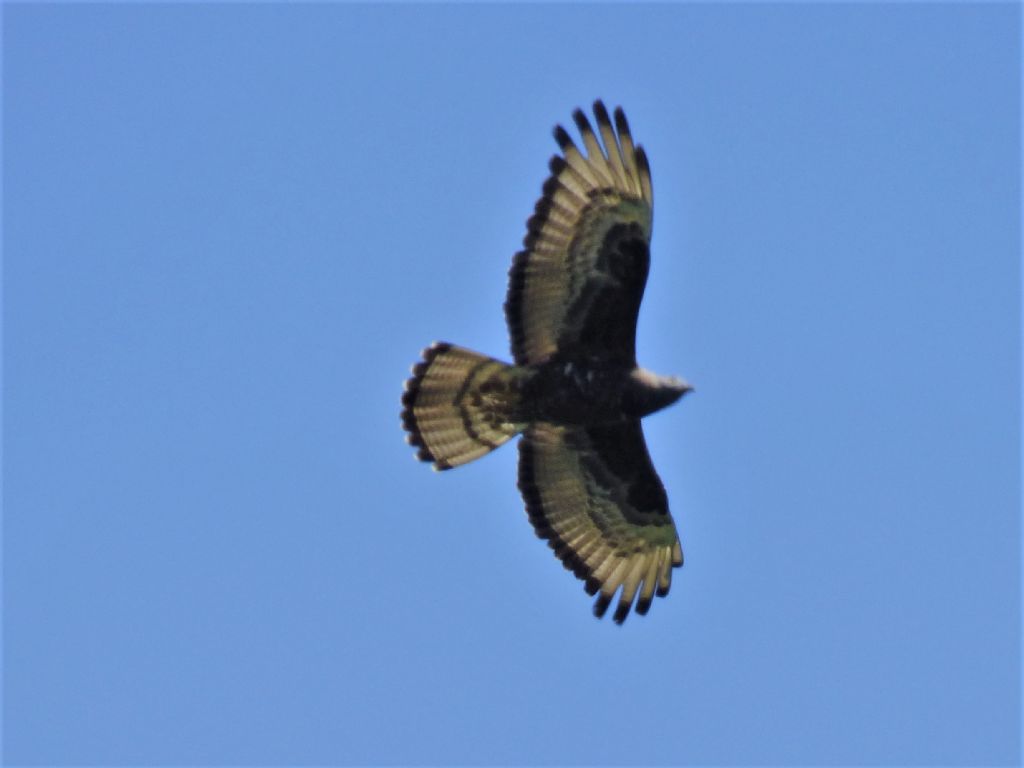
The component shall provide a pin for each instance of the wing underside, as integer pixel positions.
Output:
(593, 494)
(585, 255)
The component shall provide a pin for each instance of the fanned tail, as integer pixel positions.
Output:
(459, 405)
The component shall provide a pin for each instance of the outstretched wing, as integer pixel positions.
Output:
(594, 495)
(576, 286)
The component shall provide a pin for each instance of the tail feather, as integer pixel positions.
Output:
(460, 405)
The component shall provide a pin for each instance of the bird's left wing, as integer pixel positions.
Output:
(593, 494)
(575, 288)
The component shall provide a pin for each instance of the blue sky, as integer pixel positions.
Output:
(229, 230)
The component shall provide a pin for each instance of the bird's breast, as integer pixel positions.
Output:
(574, 393)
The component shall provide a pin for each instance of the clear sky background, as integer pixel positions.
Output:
(228, 232)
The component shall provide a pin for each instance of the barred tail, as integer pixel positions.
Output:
(459, 405)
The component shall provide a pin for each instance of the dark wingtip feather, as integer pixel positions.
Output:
(641, 160)
(621, 612)
(601, 113)
(563, 138)
(551, 185)
(621, 124)
(582, 123)
(601, 605)
(643, 606)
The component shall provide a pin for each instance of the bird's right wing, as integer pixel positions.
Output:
(593, 494)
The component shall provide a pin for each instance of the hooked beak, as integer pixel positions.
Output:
(683, 385)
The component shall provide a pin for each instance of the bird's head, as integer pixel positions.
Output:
(659, 391)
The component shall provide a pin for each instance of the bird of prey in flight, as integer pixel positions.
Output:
(575, 392)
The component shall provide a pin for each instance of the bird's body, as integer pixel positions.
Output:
(575, 391)
(580, 392)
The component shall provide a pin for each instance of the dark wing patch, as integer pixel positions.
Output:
(587, 240)
(593, 494)
(601, 322)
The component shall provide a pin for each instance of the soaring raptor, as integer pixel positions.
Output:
(575, 391)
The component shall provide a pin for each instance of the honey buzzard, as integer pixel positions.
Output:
(575, 392)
